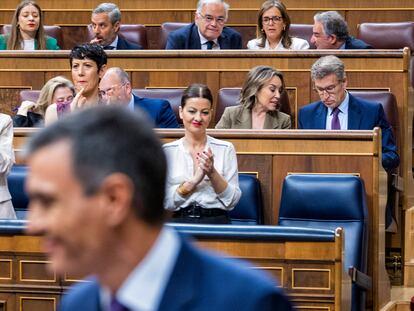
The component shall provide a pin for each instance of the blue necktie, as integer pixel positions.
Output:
(335, 125)
(210, 45)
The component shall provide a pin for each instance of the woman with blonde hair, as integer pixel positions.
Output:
(54, 100)
(27, 31)
(273, 23)
(259, 103)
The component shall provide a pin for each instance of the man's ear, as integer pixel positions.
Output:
(102, 71)
(117, 193)
(117, 25)
(333, 39)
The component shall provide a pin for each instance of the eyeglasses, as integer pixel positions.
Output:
(266, 20)
(210, 19)
(108, 91)
(329, 89)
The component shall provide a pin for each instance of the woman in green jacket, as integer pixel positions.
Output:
(27, 31)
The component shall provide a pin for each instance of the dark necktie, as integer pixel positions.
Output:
(335, 125)
(210, 45)
(117, 306)
(109, 47)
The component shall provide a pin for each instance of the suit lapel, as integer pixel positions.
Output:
(194, 42)
(244, 118)
(270, 122)
(182, 288)
(320, 119)
(354, 114)
(223, 42)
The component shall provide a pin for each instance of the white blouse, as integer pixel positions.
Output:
(180, 169)
(297, 44)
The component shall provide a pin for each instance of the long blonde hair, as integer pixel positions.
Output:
(48, 90)
(15, 39)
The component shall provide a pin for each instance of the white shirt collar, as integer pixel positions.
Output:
(203, 41)
(131, 104)
(114, 43)
(278, 46)
(343, 107)
(145, 285)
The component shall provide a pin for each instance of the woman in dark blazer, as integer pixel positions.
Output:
(258, 103)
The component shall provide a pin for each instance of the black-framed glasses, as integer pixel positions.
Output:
(275, 19)
(209, 19)
(329, 89)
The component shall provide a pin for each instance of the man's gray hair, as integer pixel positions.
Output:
(202, 3)
(327, 65)
(113, 11)
(120, 73)
(333, 24)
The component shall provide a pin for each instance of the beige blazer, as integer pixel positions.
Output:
(239, 117)
(6, 162)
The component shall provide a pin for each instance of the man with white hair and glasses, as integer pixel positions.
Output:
(208, 31)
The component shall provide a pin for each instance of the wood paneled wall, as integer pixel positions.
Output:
(74, 15)
(366, 70)
(26, 284)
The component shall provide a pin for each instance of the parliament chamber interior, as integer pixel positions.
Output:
(270, 162)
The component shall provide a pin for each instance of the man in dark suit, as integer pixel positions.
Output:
(96, 187)
(339, 110)
(115, 88)
(352, 113)
(330, 31)
(208, 31)
(106, 21)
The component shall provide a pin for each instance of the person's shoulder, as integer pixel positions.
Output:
(233, 109)
(254, 44)
(3, 42)
(125, 44)
(364, 103)
(311, 106)
(5, 117)
(218, 142)
(182, 30)
(245, 286)
(51, 43)
(354, 43)
(152, 102)
(171, 145)
(81, 296)
(299, 44)
(283, 116)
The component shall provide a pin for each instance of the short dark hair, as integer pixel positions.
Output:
(109, 139)
(196, 90)
(93, 52)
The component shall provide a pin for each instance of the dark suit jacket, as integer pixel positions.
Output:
(124, 44)
(159, 111)
(187, 38)
(353, 43)
(362, 115)
(198, 282)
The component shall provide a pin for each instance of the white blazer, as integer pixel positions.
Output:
(6, 162)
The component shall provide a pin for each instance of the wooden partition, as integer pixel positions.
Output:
(274, 154)
(366, 70)
(313, 280)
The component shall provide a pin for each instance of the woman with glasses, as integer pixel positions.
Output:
(202, 183)
(273, 24)
(54, 101)
(259, 103)
(27, 31)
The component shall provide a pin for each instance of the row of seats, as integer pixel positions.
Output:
(398, 35)
(249, 210)
(306, 202)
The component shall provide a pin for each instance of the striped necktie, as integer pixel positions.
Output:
(335, 125)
